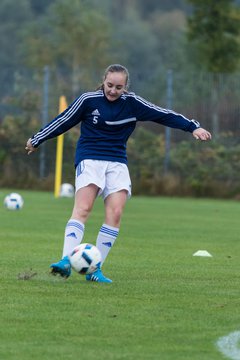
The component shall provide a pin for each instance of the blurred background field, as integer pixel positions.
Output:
(182, 54)
(163, 303)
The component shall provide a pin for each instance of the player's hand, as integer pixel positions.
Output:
(202, 134)
(29, 148)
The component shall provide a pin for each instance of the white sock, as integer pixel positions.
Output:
(74, 232)
(105, 240)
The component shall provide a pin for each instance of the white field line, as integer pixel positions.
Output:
(230, 345)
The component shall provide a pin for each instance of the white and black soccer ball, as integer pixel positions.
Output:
(85, 258)
(13, 201)
(67, 190)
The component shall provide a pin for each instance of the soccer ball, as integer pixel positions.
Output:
(85, 258)
(66, 190)
(13, 201)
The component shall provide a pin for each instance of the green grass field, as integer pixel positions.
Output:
(163, 303)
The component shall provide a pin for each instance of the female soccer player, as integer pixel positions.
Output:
(108, 117)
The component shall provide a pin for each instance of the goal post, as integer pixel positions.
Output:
(59, 152)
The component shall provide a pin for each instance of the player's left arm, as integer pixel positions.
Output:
(146, 111)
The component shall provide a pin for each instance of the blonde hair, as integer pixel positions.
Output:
(116, 68)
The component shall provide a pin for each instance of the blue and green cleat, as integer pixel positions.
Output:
(62, 268)
(98, 276)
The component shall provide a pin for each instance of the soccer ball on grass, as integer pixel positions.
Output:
(85, 259)
(13, 201)
(67, 190)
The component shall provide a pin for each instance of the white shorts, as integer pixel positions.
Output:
(109, 176)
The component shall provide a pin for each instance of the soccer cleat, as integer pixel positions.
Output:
(98, 276)
(63, 268)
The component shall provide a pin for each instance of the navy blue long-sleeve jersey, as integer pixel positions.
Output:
(106, 126)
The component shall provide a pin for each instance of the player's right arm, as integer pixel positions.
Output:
(62, 123)
(29, 148)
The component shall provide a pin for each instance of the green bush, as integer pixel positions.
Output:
(195, 168)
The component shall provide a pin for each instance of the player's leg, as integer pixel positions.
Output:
(116, 192)
(74, 231)
(88, 180)
(84, 200)
(114, 205)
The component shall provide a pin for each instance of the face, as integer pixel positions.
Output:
(114, 85)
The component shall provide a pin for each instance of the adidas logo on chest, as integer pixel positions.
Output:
(96, 112)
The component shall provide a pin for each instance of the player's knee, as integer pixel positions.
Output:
(114, 214)
(81, 212)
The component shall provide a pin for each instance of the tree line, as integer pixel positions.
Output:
(149, 37)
